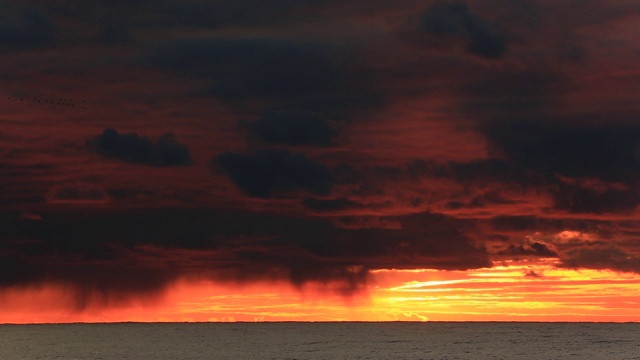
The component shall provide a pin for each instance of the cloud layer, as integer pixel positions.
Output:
(139, 149)
(315, 140)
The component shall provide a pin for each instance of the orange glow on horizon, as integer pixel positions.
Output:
(512, 291)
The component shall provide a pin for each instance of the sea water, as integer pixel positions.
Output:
(431, 340)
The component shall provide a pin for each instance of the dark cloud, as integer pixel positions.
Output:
(578, 196)
(274, 73)
(272, 172)
(105, 22)
(584, 167)
(455, 22)
(519, 227)
(293, 128)
(134, 148)
(518, 111)
(606, 151)
(128, 22)
(110, 254)
(533, 248)
(298, 69)
(215, 14)
(532, 273)
(114, 32)
(15, 271)
(595, 257)
(507, 95)
(330, 205)
(483, 200)
(491, 171)
(425, 240)
(516, 223)
(23, 28)
(478, 173)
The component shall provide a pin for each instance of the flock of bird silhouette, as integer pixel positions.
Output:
(60, 102)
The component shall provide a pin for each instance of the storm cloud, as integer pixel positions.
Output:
(315, 141)
(456, 23)
(134, 148)
(293, 128)
(113, 253)
(270, 172)
(275, 74)
(23, 28)
(609, 257)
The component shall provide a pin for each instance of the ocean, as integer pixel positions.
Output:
(430, 340)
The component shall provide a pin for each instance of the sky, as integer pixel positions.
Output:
(319, 160)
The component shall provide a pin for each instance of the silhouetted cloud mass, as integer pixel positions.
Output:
(533, 249)
(601, 258)
(294, 75)
(293, 128)
(455, 20)
(328, 205)
(134, 148)
(607, 150)
(22, 27)
(270, 172)
(164, 244)
(315, 140)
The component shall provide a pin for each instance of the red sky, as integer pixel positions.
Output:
(319, 160)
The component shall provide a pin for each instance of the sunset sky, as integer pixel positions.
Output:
(319, 160)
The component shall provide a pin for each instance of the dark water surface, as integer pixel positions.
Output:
(477, 341)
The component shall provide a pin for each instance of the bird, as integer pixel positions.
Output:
(60, 101)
